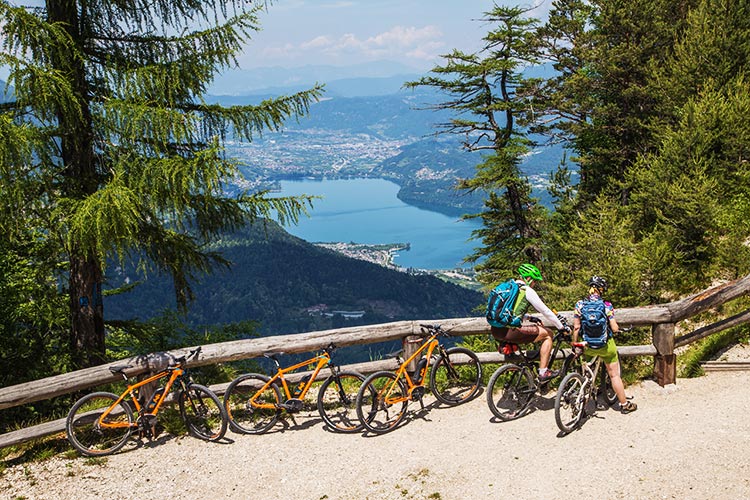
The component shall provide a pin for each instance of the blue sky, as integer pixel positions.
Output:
(413, 33)
(345, 32)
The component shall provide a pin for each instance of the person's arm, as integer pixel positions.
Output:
(613, 325)
(536, 303)
(576, 328)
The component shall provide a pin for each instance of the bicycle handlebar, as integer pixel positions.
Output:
(432, 329)
(183, 359)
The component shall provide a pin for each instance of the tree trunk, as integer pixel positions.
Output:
(80, 181)
(87, 312)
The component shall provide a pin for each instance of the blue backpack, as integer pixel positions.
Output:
(500, 305)
(594, 323)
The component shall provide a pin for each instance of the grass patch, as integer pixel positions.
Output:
(95, 461)
(34, 451)
(689, 362)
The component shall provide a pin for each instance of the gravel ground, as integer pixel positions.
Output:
(686, 441)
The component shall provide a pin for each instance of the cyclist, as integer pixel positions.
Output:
(531, 329)
(608, 353)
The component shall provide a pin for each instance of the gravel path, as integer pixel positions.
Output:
(687, 441)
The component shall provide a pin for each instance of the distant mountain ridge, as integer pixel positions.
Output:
(291, 286)
(264, 79)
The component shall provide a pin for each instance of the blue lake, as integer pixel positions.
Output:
(368, 211)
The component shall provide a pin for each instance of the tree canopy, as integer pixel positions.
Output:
(649, 97)
(109, 150)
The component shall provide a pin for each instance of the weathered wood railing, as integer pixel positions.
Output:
(662, 318)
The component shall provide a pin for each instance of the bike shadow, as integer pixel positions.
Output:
(593, 410)
(411, 416)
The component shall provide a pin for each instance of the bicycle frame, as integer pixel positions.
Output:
(174, 373)
(322, 360)
(589, 370)
(429, 345)
(530, 363)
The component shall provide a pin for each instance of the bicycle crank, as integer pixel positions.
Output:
(291, 405)
(417, 394)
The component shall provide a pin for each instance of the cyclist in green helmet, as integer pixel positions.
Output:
(531, 329)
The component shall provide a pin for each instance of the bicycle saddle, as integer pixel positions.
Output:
(119, 368)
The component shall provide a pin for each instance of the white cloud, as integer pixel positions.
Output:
(416, 43)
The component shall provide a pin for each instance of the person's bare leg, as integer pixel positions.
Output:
(545, 349)
(613, 369)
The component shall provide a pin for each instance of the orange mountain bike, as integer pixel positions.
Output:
(254, 401)
(100, 423)
(454, 379)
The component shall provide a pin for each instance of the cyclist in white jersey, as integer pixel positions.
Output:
(531, 329)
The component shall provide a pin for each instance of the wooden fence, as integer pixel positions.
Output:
(662, 318)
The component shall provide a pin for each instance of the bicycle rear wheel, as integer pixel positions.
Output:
(250, 418)
(570, 402)
(93, 435)
(454, 379)
(606, 389)
(203, 413)
(337, 401)
(381, 402)
(510, 392)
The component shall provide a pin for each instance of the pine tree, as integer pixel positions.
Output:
(490, 98)
(109, 148)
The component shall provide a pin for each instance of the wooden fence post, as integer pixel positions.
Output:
(411, 343)
(665, 361)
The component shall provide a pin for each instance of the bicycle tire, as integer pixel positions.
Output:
(510, 391)
(453, 383)
(203, 413)
(337, 401)
(570, 402)
(242, 416)
(83, 431)
(569, 365)
(374, 412)
(606, 389)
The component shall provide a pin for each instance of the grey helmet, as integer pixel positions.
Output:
(599, 283)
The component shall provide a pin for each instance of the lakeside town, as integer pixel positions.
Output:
(384, 255)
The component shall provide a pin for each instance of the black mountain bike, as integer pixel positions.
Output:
(513, 387)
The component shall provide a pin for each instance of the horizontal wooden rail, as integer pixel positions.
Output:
(724, 324)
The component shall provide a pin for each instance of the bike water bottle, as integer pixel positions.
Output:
(155, 398)
(301, 385)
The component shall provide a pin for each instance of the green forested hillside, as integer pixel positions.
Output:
(287, 284)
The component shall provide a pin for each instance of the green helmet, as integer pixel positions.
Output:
(530, 271)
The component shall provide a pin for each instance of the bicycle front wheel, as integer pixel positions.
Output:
(570, 364)
(510, 392)
(570, 402)
(90, 432)
(203, 413)
(337, 401)
(381, 402)
(256, 416)
(454, 378)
